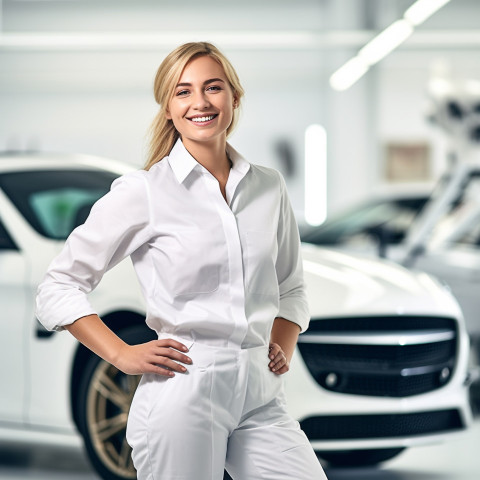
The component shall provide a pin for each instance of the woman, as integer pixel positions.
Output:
(215, 246)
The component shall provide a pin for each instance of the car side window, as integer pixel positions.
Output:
(54, 202)
(6, 242)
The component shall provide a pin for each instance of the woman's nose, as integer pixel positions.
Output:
(200, 101)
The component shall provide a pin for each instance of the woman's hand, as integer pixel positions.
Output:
(282, 344)
(157, 356)
(278, 360)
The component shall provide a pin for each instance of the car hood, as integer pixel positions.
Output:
(341, 284)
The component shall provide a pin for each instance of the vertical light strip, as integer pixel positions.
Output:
(315, 174)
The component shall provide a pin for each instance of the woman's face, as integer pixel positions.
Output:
(202, 104)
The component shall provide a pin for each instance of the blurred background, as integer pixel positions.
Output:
(378, 142)
(76, 76)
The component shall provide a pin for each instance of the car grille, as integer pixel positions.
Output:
(349, 427)
(380, 356)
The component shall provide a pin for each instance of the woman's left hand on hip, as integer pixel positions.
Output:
(278, 360)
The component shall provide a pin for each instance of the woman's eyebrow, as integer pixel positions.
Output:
(206, 82)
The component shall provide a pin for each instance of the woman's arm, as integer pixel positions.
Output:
(293, 303)
(283, 340)
(119, 223)
(292, 295)
(156, 356)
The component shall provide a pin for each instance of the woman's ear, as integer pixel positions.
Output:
(235, 100)
(167, 114)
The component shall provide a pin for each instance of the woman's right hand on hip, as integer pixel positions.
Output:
(157, 356)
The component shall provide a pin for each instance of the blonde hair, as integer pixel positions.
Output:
(162, 132)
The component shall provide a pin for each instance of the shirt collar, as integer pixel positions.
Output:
(183, 163)
(240, 165)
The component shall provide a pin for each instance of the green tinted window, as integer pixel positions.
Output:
(60, 210)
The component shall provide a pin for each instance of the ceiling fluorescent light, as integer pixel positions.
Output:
(385, 42)
(422, 9)
(348, 74)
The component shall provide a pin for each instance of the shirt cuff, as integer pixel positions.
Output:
(295, 310)
(55, 313)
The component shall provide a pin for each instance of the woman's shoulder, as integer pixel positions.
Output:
(132, 179)
(267, 174)
(141, 177)
(263, 170)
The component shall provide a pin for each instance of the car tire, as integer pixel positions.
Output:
(359, 458)
(105, 395)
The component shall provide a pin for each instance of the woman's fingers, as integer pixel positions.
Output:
(278, 363)
(278, 360)
(170, 342)
(173, 354)
(168, 363)
(163, 357)
(152, 368)
(282, 370)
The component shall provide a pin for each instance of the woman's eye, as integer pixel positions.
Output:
(214, 88)
(181, 93)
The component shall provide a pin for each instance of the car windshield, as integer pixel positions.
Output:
(54, 202)
(393, 214)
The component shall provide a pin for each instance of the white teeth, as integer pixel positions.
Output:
(202, 119)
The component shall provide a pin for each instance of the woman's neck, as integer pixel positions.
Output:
(212, 156)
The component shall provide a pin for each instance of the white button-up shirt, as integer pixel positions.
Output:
(211, 270)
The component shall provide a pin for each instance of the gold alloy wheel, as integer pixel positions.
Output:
(109, 396)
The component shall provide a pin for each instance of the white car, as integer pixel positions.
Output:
(383, 366)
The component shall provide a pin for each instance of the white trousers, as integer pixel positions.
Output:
(229, 412)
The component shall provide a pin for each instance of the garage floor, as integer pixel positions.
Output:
(458, 459)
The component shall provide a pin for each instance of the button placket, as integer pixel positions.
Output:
(235, 258)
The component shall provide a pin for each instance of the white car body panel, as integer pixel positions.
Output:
(356, 285)
(13, 299)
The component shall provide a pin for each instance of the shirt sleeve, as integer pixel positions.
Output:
(118, 224)
(293, 299)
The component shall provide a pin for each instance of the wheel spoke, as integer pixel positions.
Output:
(110, 390)
(110, 426)
(125, 457)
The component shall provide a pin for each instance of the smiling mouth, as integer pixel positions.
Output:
(204, 119)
